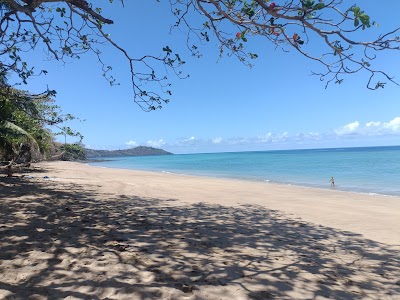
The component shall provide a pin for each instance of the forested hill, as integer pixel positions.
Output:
(137, 151)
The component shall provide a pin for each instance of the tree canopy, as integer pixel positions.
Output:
(328, 32)
(25, 122)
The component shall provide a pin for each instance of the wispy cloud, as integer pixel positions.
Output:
(237, 141)
(309, 136)
(156, 144)
(216, 140)
(188, 141)
(353, 132)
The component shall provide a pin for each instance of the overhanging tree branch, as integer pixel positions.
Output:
(326, 32)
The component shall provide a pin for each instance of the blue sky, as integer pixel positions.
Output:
(224, 105)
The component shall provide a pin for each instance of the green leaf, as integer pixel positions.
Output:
(18, 131)
(365, 20)
(356, 22)
(318, 6)
(167, 49)
(253, 55)
(356, 10)
(250, 13)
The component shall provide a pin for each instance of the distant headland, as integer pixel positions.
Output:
(137, 151)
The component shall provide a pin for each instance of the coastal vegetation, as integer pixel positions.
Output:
(25, 122)
(137, 151)
(73, 152)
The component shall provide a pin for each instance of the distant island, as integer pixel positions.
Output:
(137, 151)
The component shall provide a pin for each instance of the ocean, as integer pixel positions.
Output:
(364, 170)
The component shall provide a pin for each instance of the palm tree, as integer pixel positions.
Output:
(21, 134)
(24, 123)
(16, 143)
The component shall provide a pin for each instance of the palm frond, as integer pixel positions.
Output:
(13, 138)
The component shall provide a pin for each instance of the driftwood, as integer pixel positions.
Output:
(28, 164)
(57, 156)
(16, 166)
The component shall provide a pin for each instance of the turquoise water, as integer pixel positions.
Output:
(367, 170)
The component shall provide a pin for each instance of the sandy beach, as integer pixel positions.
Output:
(72, 231)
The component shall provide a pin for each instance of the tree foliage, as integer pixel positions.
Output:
(328, 32)
(73, 152)
(25, 121)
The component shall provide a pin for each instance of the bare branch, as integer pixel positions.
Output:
(322, 31)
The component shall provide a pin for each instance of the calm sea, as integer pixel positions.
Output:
(366, 170)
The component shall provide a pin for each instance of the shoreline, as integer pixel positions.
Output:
(278, 196)
(73, 231)
(356, 190)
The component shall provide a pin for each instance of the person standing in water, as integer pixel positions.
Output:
(332, 181)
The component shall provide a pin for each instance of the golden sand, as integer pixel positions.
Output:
(71, 231)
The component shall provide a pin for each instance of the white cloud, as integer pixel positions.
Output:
(373, 128)
(266, 138)
(393, 125)
(216, 140)
(272, 138)
(283, 137)
(373, 124)
(189, 141)
(156, 144)
(350, 133)
(348, 129)
(237, 141)
(131, 143)
(352, 126)
(309, 136)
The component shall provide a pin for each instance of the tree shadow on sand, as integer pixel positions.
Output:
(62, 240)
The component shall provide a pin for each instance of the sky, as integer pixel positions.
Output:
(223, 106)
